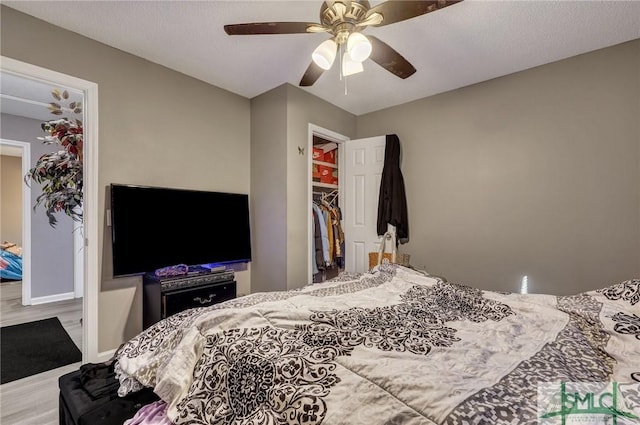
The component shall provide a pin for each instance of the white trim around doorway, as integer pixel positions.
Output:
(90, 177)
(26, 218)
(339, 139)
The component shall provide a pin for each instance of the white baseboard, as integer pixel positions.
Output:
(52, 298)
(105, 355)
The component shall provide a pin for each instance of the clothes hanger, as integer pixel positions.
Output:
(331, 198)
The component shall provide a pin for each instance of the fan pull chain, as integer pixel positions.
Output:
(342, 76)
(341, 54)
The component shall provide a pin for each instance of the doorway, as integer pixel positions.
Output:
(22, 150)
(331, 136)
(89, 239)
(360, 164)
(364, 161)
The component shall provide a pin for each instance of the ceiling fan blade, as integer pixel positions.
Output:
(385, 56)
(271, 28)
(399, 10)
(372, 19)
(317, 28)
(311, 75)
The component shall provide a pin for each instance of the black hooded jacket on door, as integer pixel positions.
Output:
(392, 203)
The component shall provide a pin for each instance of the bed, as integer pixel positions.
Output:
(10, 261)
(392, 346)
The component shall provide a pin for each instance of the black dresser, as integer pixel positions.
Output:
(163, 297)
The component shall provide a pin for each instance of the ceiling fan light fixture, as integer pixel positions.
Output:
(344, 20)
(358, 47)
(350, 67)
(325, 54)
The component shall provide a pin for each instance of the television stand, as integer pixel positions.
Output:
(165, 296)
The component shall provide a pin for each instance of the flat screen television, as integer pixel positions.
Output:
(155, 227)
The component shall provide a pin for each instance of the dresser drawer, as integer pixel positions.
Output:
(201, 296)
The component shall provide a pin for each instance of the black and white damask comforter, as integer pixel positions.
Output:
(389, 347)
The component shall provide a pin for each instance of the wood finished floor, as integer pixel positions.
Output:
(34, 400)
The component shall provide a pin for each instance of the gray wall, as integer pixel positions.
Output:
(157, 127)
(269, 190)
(280, 182)
(536, 173)
(11, 199)
(51, 248)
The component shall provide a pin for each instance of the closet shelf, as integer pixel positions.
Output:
(326, 164)
(327, 185)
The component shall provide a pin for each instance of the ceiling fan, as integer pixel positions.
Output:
(345, 20)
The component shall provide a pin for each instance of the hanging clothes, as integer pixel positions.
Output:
(328, 240)
(314, 257)
(323, 234)
(392, 202)
(329, 222)
(339, 237)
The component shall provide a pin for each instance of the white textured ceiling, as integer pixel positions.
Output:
(463, 44)
(30, 98)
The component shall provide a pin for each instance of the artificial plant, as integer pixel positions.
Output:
(60, 172)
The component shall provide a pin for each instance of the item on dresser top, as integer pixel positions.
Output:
(177, 270)
(214, 268)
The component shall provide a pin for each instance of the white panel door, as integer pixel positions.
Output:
(364, 160)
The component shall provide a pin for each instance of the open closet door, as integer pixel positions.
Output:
(364, 161)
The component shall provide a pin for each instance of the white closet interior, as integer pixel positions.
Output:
(329, 260)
